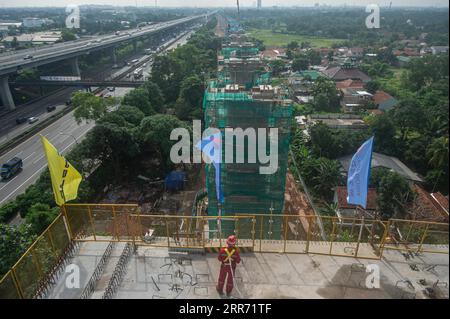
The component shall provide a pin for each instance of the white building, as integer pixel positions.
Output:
(35, 22)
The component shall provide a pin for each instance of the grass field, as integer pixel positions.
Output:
(276, 39)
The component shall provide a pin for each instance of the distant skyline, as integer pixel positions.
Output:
(223, 3)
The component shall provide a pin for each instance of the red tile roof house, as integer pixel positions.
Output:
(349, 84)
(384, 101)
(346, 210)
(428, 206)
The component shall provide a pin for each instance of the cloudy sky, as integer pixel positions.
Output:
(223, 3)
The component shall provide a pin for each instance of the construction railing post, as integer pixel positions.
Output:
(167, 230)
(285, 233)
(17, 283)
(261, 234)
(253, 231)
(359, 236)
(114, 224)
(423, 238)
(308, 236)
(5, 94)
(92, 222)
(332, 235)
(67, 222)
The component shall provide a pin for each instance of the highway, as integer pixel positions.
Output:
(8, 127)
(11, 62)
(34, 161)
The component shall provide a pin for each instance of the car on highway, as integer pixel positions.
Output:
(28, 57)
(21, 120)
(111, 89)
(51, 108)
(11, 167)
(33, 119)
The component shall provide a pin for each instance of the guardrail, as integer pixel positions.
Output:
(346, 237)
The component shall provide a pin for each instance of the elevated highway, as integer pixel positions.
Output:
(30, 58)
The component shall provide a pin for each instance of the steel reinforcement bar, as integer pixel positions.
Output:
(118, 273)
(90, 287)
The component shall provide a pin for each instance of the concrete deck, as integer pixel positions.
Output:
(157, 273)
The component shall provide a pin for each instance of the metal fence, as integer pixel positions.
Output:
(38, 268)
(361, 238)
(30, 276)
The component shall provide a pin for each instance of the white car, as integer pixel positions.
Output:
(33, 119)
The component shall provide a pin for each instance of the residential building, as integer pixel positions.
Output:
(338, 121)
(384, 101)
(428, 206)
(389, 162)
(436, 50)
(35, 38)
(353, 99)
(346, 72)
(35, 22)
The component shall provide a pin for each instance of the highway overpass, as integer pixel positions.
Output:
(86, 83)
(11, 62)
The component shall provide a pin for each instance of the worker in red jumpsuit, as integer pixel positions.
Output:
(229, 257)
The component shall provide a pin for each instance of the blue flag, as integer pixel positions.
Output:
(359, 174)
(211, 146)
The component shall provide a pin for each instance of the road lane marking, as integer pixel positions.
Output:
(38, 159)
(28, 156)
(10, 194)
(9, 182)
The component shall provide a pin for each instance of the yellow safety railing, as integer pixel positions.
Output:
(349, 237)
(28, 275)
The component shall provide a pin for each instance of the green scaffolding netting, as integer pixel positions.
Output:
(245, 189)
(239, 52)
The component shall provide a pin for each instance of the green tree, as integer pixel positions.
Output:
(300, 64)
(155, 95)
(327, 176)
(40, 216)
(326, 96)
(408, 116)
(155, 136)
(393, 193)
(67, 35)
(372, 86)
(14, 241)
(383, 129)
(438, 152)
(277, 67)
(140, 99)
(89, 107)
(167, 73)
(189, 104)
(131, 114)
(292, 45)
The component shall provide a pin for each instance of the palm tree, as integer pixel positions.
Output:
(328, 175)
(438, 152)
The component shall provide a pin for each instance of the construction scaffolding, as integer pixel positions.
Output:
(245, 189)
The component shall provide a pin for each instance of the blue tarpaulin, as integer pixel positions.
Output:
(174, 181)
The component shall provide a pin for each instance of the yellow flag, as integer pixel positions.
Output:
(65, 178)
